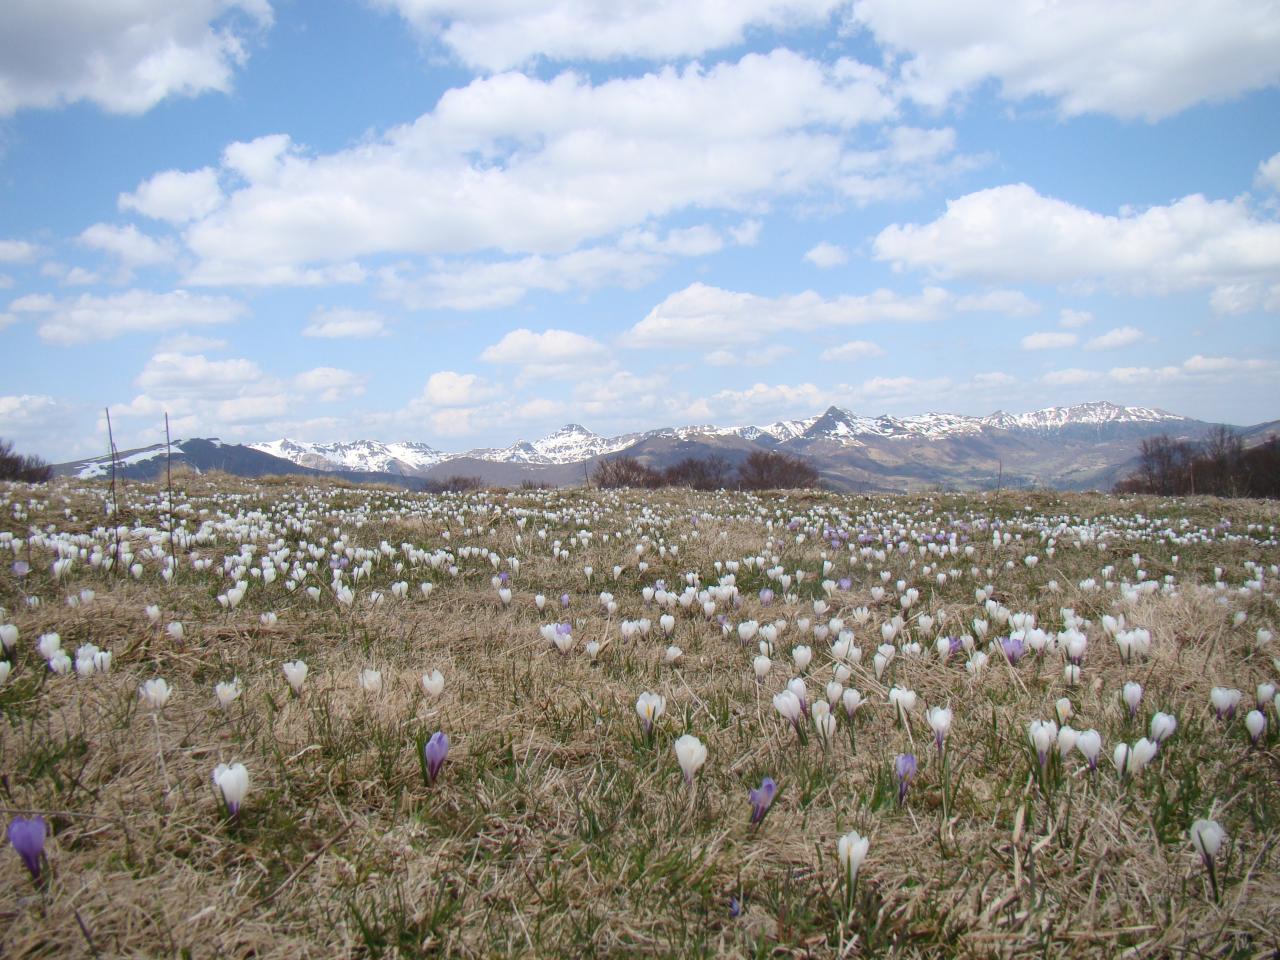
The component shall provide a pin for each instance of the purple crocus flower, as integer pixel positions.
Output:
(762, 799)
(564, 601)
(904, 768)
(1013, 648)
(766, 596)
(845, 583)
(27, 836)
(504, 578)
(21, 568)
(564, 628)
(435, 751)
(957, 646)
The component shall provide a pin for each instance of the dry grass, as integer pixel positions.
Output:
(555, 829)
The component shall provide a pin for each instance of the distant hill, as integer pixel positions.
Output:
(1086, 446)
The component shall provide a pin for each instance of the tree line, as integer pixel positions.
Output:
(1220, 465)
(23, 469)
(761, 470)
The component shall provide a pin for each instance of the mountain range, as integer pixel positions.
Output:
(1086, 446)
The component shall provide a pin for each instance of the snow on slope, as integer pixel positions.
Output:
(573, 443)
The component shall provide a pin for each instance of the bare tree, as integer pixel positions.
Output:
(22, 468)
(770, 470)
(625, 472)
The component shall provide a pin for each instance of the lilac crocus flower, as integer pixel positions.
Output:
(21, 568)
(27, 836)
(845, 583)
(564, 628)
(504, 578)
(1013, 648)
(904, 768)
(762, 799)
(435, 751)
(564, 601)
(766, 596)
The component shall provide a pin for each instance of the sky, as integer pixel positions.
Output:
(467, 222)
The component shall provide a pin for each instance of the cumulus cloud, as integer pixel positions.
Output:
(826, 255)
(1048, 340)
(87, 318)
(17, 251)
(448, 388)
(1132, 59)
(495, 35)
(706, 315)
(760, 357)
(1115, 338)
(552, 353)
(330, 384)
(341, 323)
(1268, 176)
(127, 243)
(1072, 376)
(773, 400)
(175, 195)
(853, 350)
(1195, 369)
(1071, 319)
(1013, 234)
(1010, 303)
(124, 57)
(526, 166)
(31, 421)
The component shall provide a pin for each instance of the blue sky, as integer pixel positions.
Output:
(469, 221)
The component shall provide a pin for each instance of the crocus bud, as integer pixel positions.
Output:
(691, 754)
(232, 781)
(435, 752)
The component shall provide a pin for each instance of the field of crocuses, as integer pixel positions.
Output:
(282, 719)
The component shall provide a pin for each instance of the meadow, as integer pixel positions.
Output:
(607, 723)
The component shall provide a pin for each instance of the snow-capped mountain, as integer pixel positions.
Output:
(365, 456)
(574, 443)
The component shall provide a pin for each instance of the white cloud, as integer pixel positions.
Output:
(1012, 233)
(190, 343)
(496, 35)
(552, 353)
(995, 380)
(747, 233)
(760, 357)
(17, 251)
(190, 377)
(772, 400)
(1194, 369)
(1048, 340)
(124, 57)
(1010, 303)
(1072, 319)
(853, 350)
(521, 165)
(1138, 58)
(1070, 377)
(88, 318)
(480, 285)
(706, 315)
(1237, 298)
(30, 420)
(1268, 176)
(1115, 338)
(826, 255)
(342, 323)
(175, 195)
(447, 388)
(330, 384)
(133, 247)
